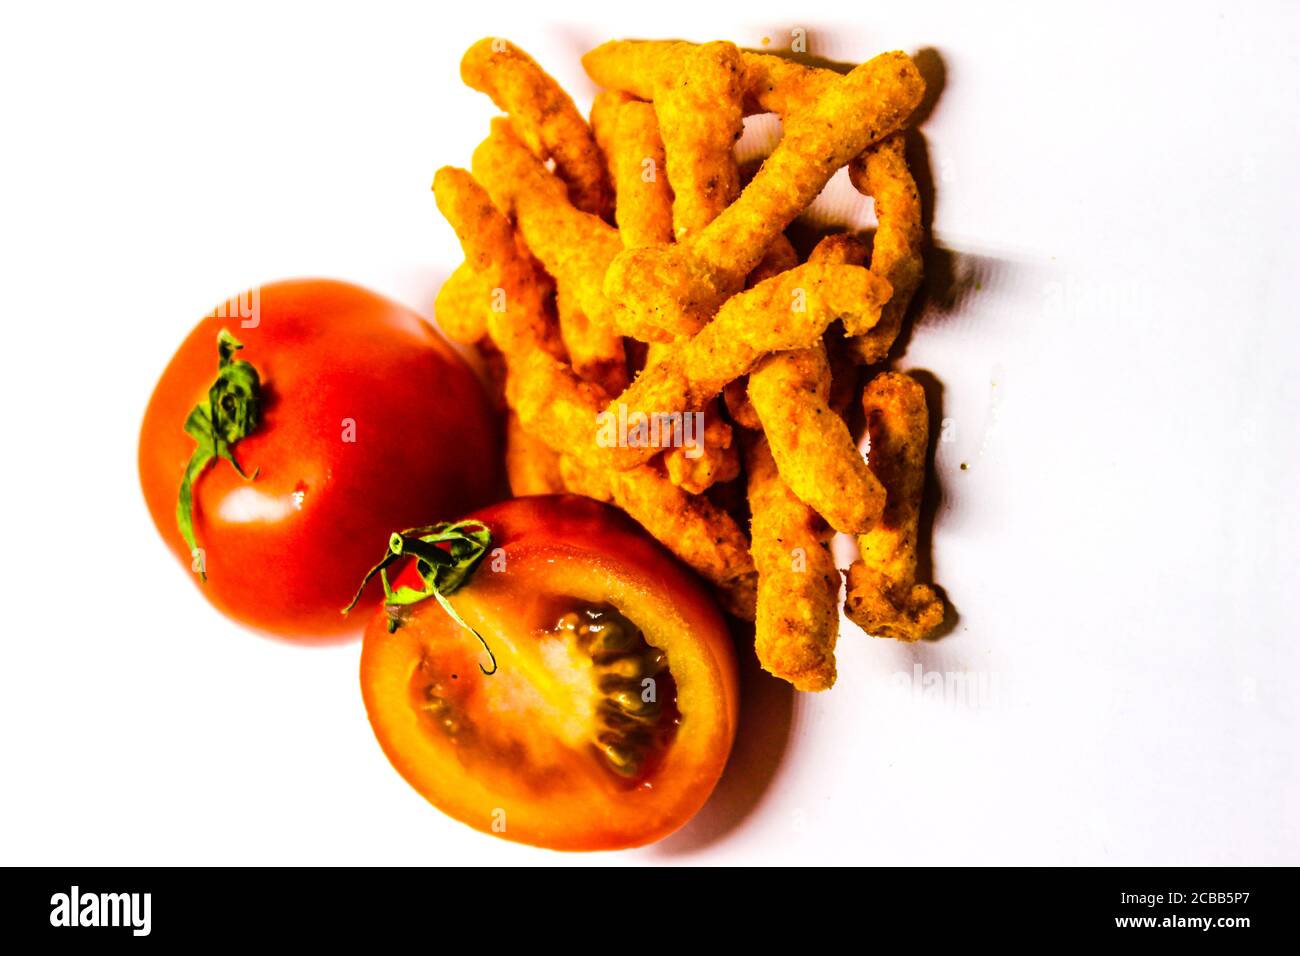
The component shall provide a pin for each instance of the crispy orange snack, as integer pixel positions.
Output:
(881, 173)
(843, 248)
(693, 528)
(715, 458)
(865, 105)
(739, 407)
(772, 84)
(634, 66)
(544, 117)
(604, 119)
(531, 466)
(644, 200)
(583, 480)
(700, 116)
(500, 284)
(575, 247)
(789, 311)
(701, 288)
(572, 245)
(818, 458)
(883, 596)
(797, 619)
(680, 287)
(736, 397)
(462, 305)
(779, 257)
(720, 461)
(557, 406)
(560, 409)
(666, 292)
(595, 352)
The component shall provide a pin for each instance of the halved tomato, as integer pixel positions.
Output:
(612, 709)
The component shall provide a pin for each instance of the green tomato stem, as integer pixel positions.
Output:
(446, 555)
(232, 411)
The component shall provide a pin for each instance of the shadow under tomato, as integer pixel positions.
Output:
(762, 734)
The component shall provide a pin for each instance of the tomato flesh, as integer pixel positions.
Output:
(578, 740)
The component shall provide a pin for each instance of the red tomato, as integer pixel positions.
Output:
(366, 421)
(612, 709)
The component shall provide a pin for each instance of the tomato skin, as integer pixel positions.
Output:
(285, 551)
(543, 540)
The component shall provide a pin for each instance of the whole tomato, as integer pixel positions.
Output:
(292, 432)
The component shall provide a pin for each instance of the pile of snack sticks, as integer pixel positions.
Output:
(617, 271)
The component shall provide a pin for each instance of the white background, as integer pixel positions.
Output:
(1117, 198)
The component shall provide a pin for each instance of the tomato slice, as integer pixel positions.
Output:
(612, 710)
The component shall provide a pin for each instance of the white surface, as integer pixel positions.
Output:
(1123, 384)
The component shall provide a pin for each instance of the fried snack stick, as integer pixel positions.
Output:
(881, 173)
(500, 284)
(817, 456)
(556, 406)
(604, 117)
(680, 287)
(846, 248)
(772, 84)
(700, 114)
(643, 198)
(510, 288)
(789, 311)
(544, 117)
(595, 353)
(462, 305)
(736, 397)
(797, 619)
(574, 247)
(811, 444)
(699, 532)
(531, 465)
(883, 596)
(779, 257)
(560, 409)
(720, 460)
(714, 457)
(582, 480)
(841, 248)
(859, 109)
